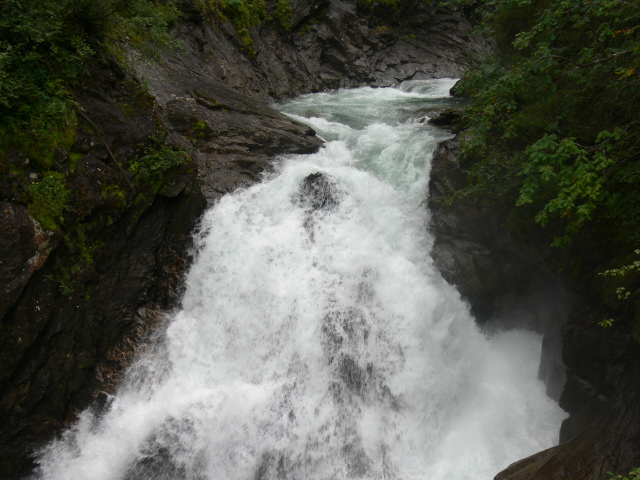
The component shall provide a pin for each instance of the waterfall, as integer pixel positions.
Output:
(316, 339)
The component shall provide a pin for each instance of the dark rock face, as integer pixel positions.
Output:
(334, 44)
(449, 118)
(608, 444)
(596, 362)
(317, 192)
(473, 250)
(24, 247)
(504, 288)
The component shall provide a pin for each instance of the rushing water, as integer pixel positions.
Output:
(323, 344)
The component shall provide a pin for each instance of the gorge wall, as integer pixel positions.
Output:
(156, 141)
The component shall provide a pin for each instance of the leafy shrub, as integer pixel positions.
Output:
(633, 475)
(158, 159)
(559, 105)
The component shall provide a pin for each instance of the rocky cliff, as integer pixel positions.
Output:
(330, 44)
(94, 249)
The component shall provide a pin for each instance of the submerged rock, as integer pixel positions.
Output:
(318, 195)
(318, 192)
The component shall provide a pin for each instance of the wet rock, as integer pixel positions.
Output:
(333, 44)
(236, 137)
(608, 444)
(354, 377)
(159, 457)
(24, 248)
(474, 251)
(318, 195)
(274, 466)
(595, 367)
(448, 118)
(318, 192)
(346, 328)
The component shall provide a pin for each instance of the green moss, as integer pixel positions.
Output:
(199, 129)
(72, 160)
(381, 29)
(159, 158)
(79, 240)
(65, 282)
(127, 109)
(49, 200)
(283, 14)
(115, 198)
(139, 101)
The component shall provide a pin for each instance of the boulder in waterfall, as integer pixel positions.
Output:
(318, 192)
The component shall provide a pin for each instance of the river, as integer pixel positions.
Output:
(316, 338)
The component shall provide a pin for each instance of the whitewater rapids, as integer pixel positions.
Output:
(323, 344)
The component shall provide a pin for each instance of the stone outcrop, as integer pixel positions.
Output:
(608, 444)
(317, 192)
(332, 44)
(29, 246)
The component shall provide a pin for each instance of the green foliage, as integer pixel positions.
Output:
(49, 200)
(243, 14)
(45, 47)
(559, 105)
(283, 14)
(626, 283)
(159, 158)
(633, 475)
(78, 239)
